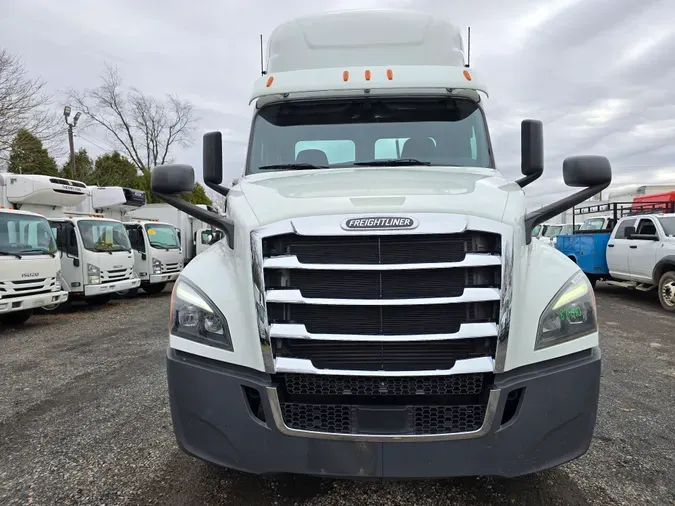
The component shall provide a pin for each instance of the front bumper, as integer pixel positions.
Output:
(553, 424)
(164, 278)
(32, 301)
(106, 288)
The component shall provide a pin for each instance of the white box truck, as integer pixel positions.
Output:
(30, 270)
(378, 306)
(158, 258)
(96, 257)
(194, 235)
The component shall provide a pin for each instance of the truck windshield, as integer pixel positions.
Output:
(362, 132)
(103, 235)
(22, 234)
(668, 224)
(593, 224)
(552, 230)
(162, 236)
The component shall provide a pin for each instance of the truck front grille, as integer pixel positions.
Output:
(360, 327)
(112, 275)
(24, 287)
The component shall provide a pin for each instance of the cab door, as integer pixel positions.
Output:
(71, 264)
(643, 250)
(139, 247)
(618, 249)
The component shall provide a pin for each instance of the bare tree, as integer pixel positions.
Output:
(141, 126)
(24, 105)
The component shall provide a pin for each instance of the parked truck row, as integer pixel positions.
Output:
(62, 241)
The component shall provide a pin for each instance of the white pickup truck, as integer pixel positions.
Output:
(378, 307)
(641, 255)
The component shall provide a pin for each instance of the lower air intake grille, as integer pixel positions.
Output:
(351, 419)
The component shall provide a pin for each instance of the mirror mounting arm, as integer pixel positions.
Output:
(534, 218)
(220, 222)
(524, 181)
(217, 188)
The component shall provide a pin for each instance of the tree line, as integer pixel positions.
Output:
(141, 130)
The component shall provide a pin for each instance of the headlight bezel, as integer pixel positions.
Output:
(156, 266)
(93, 274)
(188, 297)
(575, 299)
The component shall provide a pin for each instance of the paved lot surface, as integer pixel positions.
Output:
(84, 420)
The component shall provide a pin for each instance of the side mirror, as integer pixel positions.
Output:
(76, 262)
(531, 151)
(172, 179)
(590, 171)
(630, 232)
(212, 162)
(144, 256)
(212, 158)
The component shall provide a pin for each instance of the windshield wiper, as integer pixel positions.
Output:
(158, 245)
(392, 162)
(8, 253)
(292, 166)
(39, 250)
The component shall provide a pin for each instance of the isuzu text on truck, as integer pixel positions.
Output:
(378, 306)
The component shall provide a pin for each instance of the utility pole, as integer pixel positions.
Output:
(66, 113)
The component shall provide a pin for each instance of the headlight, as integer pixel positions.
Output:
(93, 274)
(58, 285)
(570, 315)
(194, 317)
(156, 266)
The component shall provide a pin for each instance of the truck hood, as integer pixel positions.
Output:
(30, 267)
(476, 191)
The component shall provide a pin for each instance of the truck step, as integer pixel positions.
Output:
(623, 284)
(642, 287)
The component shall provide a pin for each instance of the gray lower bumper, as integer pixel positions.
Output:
(553, 424)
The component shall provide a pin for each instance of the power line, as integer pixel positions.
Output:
(93, 143)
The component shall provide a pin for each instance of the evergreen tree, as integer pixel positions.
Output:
(27, 156)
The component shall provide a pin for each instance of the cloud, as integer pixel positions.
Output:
(598, 73)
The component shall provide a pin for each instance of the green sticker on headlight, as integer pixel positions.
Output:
(570, 313)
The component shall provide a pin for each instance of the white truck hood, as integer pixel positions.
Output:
(30, 267)
(284, 195)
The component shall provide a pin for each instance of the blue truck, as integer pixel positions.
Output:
(587, 246)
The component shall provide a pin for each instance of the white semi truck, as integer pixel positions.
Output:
(158, 258)
(194, 235)
(30, 269)
(95, 254)
(378, 306)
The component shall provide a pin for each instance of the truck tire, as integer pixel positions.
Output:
(98, 300)
(667, 291)
(16, 318)
(154, 288)
(128, 294)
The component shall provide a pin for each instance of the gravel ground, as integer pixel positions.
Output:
(84, 420)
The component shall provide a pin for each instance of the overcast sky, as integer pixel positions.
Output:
(600, 74)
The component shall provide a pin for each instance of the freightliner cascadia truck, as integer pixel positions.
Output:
(377, 306)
